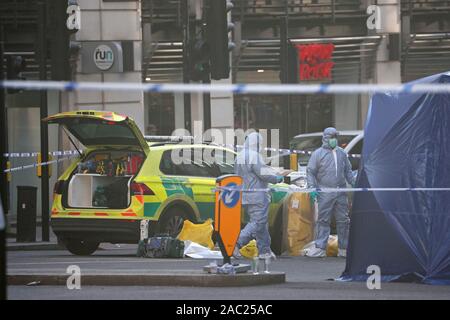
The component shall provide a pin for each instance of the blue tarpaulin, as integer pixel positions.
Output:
(407, 233)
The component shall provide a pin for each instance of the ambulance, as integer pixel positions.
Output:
(120, 178)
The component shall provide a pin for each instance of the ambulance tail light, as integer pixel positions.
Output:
(59, 187)
(140, 189)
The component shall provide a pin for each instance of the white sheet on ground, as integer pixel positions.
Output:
(196, 251)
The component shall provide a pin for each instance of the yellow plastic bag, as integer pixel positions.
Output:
(198, 233)
(332, 246)
(300, 222)
(250, 250)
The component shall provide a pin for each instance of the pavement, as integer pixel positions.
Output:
(305, 278)
(49, 267)
(13, 245)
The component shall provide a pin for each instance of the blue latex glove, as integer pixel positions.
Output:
(280, 179)
(313, 196)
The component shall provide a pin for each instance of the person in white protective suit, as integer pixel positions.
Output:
(329, 167)
(256, 174)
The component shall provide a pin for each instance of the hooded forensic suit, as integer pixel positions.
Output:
(330, 168)
(256, 175)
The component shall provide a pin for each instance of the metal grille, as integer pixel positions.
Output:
(18, 12)
(263, 54)
(426, 54)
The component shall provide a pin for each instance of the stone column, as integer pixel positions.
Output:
(387, 68)
(222, 110)
(104, 21)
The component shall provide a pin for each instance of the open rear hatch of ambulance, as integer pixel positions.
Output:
(101, 128)
(117, 147)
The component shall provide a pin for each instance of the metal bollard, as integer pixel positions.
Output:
(255, 265)
(142, 248)
(144, 229)
(266, 265)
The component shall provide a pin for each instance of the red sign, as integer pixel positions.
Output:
(315, 61)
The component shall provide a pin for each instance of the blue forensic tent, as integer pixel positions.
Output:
(407, 233)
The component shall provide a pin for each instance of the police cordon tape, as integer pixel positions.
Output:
(292, 188)
(274, 88)
(235, 147)
(73, 153)
(35, 165)
(284, 151)
(35, 154)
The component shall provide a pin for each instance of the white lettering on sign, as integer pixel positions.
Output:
(74, 19)
(374, 20)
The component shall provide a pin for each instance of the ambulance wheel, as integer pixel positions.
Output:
(81, 247)
(277, 234)
(172, 221)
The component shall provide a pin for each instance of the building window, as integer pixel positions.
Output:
(308, 113)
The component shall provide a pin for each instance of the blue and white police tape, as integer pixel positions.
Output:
(35, 154)
(35, 165)
(274, 88)
(284, 151)
(328, 190)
